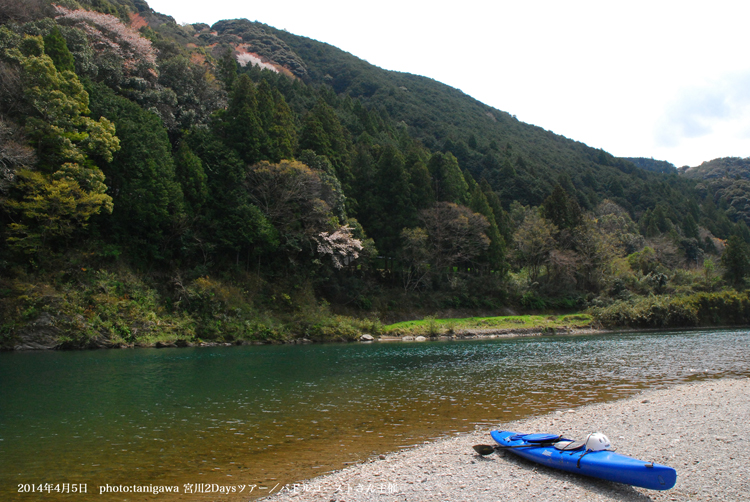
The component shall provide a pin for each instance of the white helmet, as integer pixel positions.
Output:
(597, 442)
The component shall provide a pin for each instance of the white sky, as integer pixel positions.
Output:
(657, 78)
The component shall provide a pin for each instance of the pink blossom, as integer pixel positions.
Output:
(107, 33)
(340, 244)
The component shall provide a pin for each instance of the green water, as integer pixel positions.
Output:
(263, 416)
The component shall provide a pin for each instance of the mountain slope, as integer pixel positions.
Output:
(486, 141)
(225, 179)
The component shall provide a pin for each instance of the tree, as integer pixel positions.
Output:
(240, 124)
(56, 48)
(147, 196)
(495, 253)
(59, 125)
(53, 203)
(192, 177)
(457, 236)
(534, 241)
(55, 207)
(289, 195)
(594, 253)
(447, 179)
(340, 246)
(420, 186)
(393, 201)
(112, 40)
(736, 261)
(282, 136)
(415, 256)
(14, 154)
(188, 96)
(501, 216)
(230, 227)
(561, 209)
(322, 133)
(331, 191)
(645, 261)
(21, 11)
(227, 69)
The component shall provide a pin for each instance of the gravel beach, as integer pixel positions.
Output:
(701, 429)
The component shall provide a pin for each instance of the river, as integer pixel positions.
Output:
(259, 417)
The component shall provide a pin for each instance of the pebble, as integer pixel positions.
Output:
(711, 462)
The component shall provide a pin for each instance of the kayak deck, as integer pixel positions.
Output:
(603, 464)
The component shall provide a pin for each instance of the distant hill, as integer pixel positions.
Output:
(657, 166)
(727, 181)
(725, 167)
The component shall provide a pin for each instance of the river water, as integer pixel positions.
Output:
(264, 416)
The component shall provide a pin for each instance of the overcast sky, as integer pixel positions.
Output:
(662, 79)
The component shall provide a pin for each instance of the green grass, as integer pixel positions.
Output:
(431, 327)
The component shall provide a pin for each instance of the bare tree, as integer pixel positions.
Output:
(289, 195)
(21, 11)
(456, 234)
(415, 256)
(13, 153)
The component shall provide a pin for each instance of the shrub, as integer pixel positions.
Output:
(700, 309)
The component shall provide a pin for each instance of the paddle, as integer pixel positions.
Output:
(485, 449)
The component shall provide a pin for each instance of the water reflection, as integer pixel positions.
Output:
(269, 415)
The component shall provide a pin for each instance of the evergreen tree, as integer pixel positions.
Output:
(363, 200)
(447, 179)
(230, 228)
(191, 176)
(282, 136)
(240, 125)
(59, 125)
(56, 48)
(395, 210)
(420, 186)
(561, 209)
(54, 208)
(736, 260)
(148, 200)
(502, 219)
(266, 112)
(742, 231)
(494, 256)
(331, 191)
(228, 69)
(690, 227)
(322, 133)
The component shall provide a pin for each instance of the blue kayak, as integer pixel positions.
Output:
(547, 449)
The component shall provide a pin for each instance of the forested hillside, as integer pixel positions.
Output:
(726, 180)
(163, 183)
(657, 166)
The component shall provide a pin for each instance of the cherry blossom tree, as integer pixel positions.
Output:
(340, 245)
(107, 34)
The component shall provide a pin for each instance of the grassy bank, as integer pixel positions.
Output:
(84, 307)
(79, 307)
(435, 327)
(723, 308)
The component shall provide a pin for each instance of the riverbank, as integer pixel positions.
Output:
(701, 429)
(45, 333)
